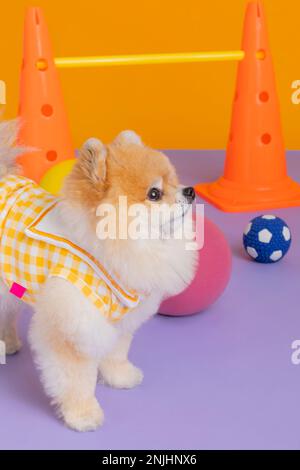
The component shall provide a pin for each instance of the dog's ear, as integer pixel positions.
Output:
(92, 159)
(128, 137)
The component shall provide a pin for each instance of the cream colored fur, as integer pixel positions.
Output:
(73, 344)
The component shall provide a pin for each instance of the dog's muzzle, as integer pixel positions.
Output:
(189, 194)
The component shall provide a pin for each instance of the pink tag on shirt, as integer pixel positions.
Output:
(17, 290)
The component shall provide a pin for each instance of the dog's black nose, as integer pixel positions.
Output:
(189, 193)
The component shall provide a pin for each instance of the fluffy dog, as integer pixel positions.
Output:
(76, 340)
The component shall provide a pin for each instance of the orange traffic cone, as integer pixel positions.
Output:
(44, 124)
(255, 176)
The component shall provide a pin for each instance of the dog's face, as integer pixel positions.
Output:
(128, 171)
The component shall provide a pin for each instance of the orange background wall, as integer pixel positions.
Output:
(171, 106)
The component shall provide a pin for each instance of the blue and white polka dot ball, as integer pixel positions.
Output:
(267, 239)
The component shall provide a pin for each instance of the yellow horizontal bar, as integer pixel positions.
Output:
(143, 59)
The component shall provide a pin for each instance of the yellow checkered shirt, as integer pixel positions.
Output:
(29, 262)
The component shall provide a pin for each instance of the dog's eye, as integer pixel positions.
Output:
(154, 194)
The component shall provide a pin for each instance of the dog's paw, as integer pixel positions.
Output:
(87, 416)
(120, 374)
(12, 344)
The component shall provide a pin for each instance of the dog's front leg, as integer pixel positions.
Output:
(69, 378)
(116, 370)
(69, 337)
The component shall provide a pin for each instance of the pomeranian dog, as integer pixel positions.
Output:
(89, 292)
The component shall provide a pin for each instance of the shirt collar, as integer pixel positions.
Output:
(47, 227)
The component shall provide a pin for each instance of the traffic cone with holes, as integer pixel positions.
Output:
(255, 175)
(44, 124)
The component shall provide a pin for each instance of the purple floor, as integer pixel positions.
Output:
(221, 379)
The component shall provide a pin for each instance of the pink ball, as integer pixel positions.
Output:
(212, 276)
